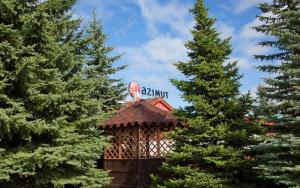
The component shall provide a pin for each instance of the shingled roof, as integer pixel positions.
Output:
(150, 111)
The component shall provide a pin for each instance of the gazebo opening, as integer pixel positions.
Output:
(139, 142)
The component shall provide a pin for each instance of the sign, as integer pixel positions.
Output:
(134, 91)
(154, 92)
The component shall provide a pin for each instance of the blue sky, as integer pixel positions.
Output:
(151, 35)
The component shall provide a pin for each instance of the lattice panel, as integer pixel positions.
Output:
(148, 144)
(113, 151)
(153, 142)
(124, 143)
(128, 143)
(138, 142)
(166, 145)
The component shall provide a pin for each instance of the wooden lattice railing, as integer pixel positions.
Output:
(141, 141)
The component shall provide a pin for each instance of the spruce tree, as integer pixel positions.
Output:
(264, 110)
(278, 160)
(211, 152)
(281, 23)
(48, 117)
(278, 156)
(100, 67)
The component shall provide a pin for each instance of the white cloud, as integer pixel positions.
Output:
(247, 38)
(248, 32)
(105, 9)
(165, 49)
(173, 14)
(225, 30)
(158, 54)
(244, 42)
(243, 5)
(151, 64)
(243, 63)
(254, 49)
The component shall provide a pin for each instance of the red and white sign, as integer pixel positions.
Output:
(134, 91)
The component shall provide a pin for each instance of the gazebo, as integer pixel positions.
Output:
(139, 144)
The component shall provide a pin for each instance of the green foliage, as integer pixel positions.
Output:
(281, 23)
(278, 158)
(211, 151)
(264, 108)
(265, 111)
(278, 155)
(108, 90)
(48, 108)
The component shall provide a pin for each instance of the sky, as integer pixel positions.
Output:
(150, 35)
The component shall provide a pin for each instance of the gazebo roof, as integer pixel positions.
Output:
(149, 111)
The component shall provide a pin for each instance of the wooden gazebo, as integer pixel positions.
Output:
(138, 141)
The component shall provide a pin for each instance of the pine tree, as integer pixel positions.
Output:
(278, 156)
(48, 118)
(211, 151)
(100, 67)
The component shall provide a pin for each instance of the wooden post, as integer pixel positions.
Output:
(119, 142)
(158, 140)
